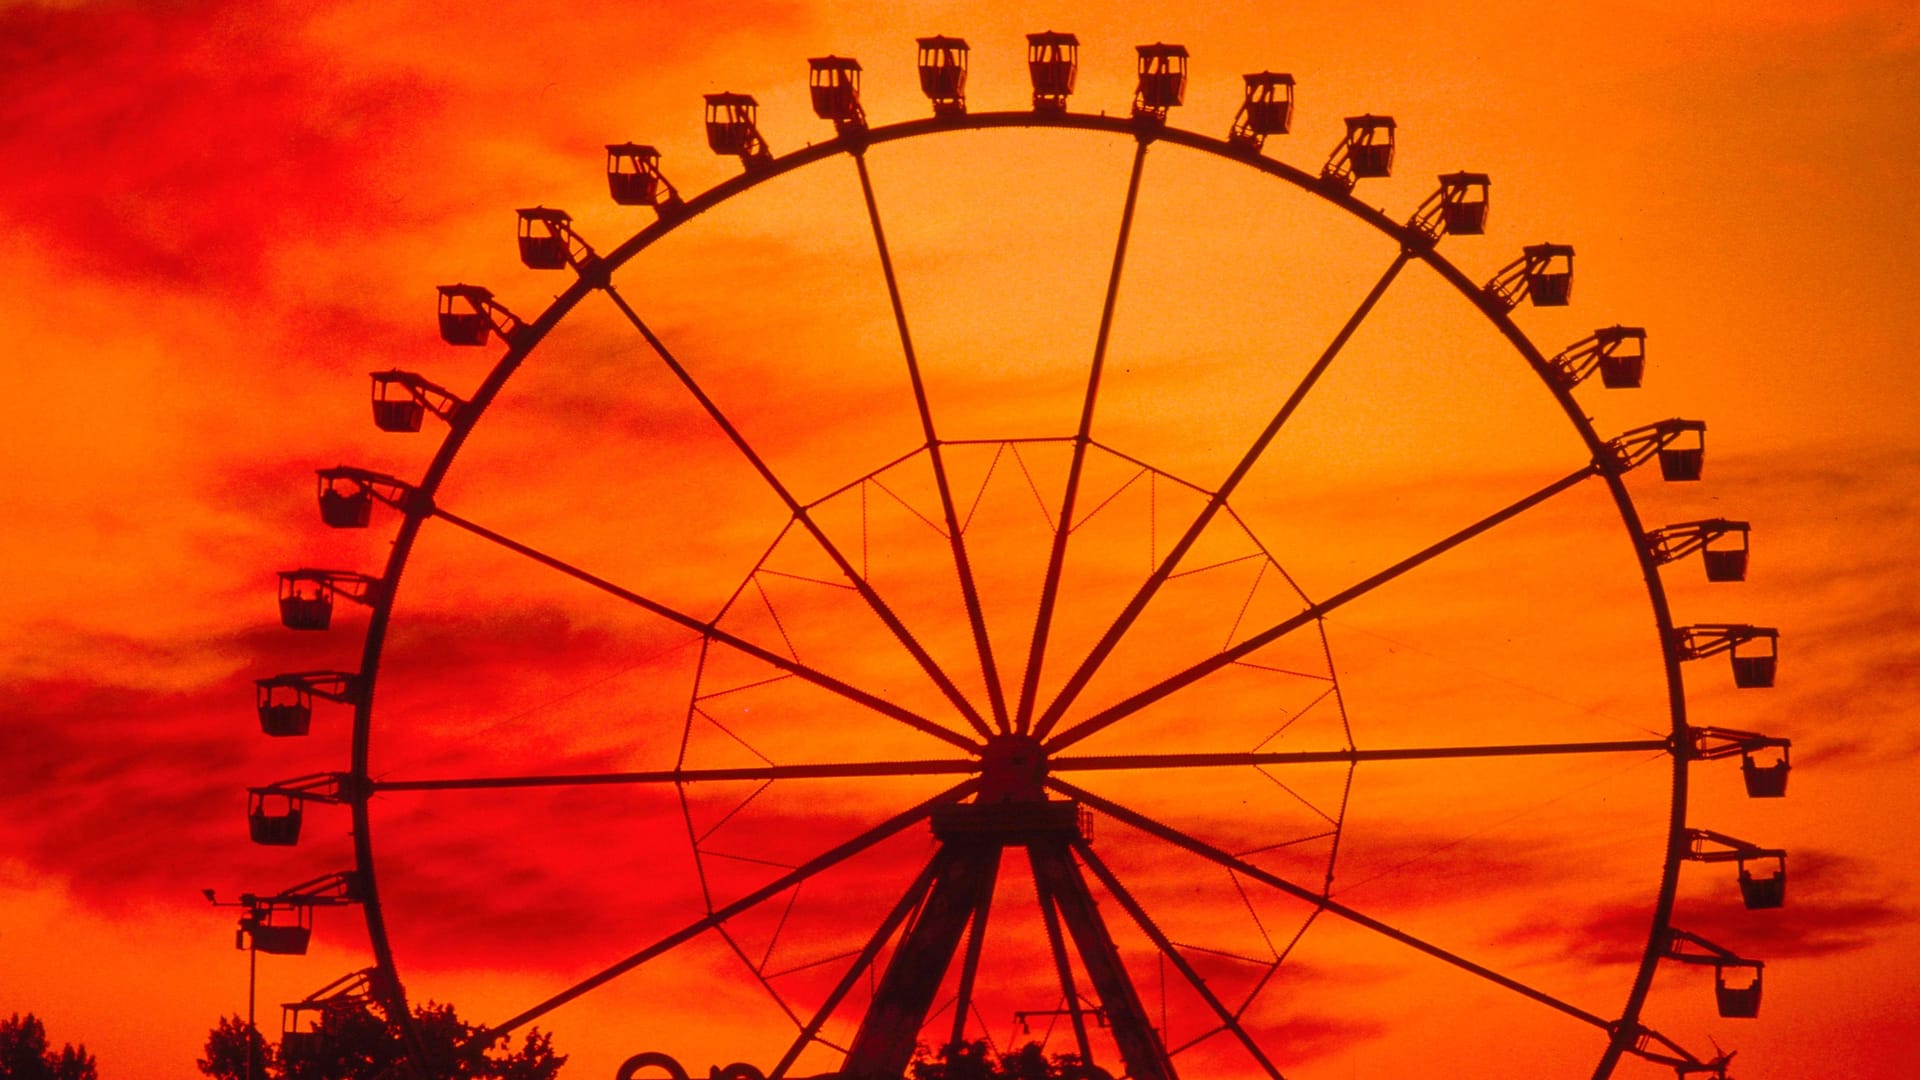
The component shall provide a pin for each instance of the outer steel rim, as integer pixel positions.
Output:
(1412, 243)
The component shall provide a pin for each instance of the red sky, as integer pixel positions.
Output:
(221, 216)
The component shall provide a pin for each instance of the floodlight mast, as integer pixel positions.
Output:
(253, 974)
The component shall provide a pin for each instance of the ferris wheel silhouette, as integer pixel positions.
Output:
(1027, 713)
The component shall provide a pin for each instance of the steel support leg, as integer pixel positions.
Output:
(888, 1033)
(1140, 1046)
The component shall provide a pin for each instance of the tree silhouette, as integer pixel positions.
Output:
(24, 1054)
(227, 1051)
(351, 1041)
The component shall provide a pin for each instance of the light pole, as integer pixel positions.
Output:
(248, 920)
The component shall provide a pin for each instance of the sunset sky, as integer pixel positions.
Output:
(222, 215)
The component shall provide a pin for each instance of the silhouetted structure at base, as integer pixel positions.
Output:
(952, 897)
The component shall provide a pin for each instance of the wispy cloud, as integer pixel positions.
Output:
(1835, 905)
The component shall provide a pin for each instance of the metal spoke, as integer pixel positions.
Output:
(791, 666)
(824, 861)
(1050, 588)
(1146, 923)
(1105, 762)
(1085, 672)
(1224, 859)
(800, 514)
(909, 900)
(833, 771)
(969, 592)
(1190, 675)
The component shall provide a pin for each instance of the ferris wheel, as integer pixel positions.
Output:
(957, 659)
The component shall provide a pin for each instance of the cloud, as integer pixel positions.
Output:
(180, 144)
(212, 145)
(599, 875)
(1407, 869)
(127, 777)
(128, 768)
(1834, 906)
(1829, 569)
(132, 797)
(1313, 1037)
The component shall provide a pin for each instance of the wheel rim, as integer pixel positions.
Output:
(1011, 716)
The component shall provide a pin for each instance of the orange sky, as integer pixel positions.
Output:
(222, 215)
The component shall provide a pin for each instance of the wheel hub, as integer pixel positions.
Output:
(1013, 768)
